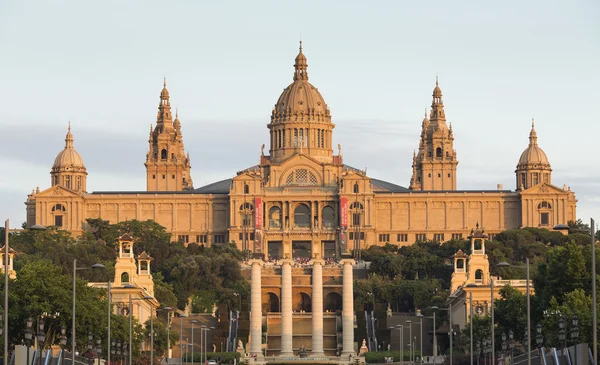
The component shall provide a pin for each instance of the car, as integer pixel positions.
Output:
(212, 362)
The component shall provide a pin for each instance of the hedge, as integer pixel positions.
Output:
(225, 357)
(379, 357)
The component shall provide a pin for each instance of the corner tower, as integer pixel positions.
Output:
(434, 166)
(533, 167)
(167, 165)
(301, 121)
(68, 170)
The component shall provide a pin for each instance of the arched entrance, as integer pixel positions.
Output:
(333, 302)
(270, 302)
(302, 303)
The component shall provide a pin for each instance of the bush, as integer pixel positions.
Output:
(226, 357)
(379, 357)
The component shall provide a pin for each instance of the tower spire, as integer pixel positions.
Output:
(69, 138)
(532, 134)
(300, 66)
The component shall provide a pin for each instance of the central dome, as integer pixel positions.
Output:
(533, 156)
(300, 101)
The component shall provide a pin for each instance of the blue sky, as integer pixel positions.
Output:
(101, 65)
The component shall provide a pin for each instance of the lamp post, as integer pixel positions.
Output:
(63, 339)
(119, 351)
(112, 348)
(168, 310)
(28, 336)
(575, 334)
(562, 334)
(478, 350)
(193, 321)
(504, 345)
(511, 344)
(181, 317)
(399, 328)
(99, 349)
(539, 339)
(90, 346)
(41, 337)
(410, 348)
(500, 264)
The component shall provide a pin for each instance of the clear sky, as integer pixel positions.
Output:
(101, 66)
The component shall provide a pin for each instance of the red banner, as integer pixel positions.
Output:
(344, 212)
(258, 213)
(258, 222)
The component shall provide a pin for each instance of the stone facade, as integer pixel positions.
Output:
(302, 199)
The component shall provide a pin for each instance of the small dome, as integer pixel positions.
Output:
(437, 92)
(533, 156)
(68, 158)
(164, 94)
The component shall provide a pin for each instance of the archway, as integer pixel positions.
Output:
(302, 216)
(271, 302)
(302, 303)
(333, 302)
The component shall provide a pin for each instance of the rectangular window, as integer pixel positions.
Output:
(439, 237)
(545, 219)
(420, 237)
(201, 238)
(384, 237)
(58, 221)
(295, 137)
(361, 235)
(402, 237)
(183, 238)
(491, 236)
(219, 238)
(457, 236)
(68, 182)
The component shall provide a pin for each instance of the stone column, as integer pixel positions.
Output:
(348, 309)
(256, 309)
(286, 308)
(317, 308)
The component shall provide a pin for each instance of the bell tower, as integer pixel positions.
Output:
(125, 268)
(434, 166)
(167, 165)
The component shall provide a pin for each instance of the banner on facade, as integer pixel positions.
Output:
(258, 223)
(343, 237)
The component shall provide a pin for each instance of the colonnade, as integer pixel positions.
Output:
(317, 308)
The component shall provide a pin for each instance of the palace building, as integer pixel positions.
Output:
(301, 199)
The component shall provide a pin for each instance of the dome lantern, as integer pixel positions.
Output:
(68, 169)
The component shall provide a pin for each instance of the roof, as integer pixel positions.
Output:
(219, 187)
(380, 186)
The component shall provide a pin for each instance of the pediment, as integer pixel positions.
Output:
(544, 188)
(300, 159)
(57, 190)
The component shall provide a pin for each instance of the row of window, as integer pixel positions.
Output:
(164, 177)
(69, 184)
(201, 238)
(300, 138)
(403, 237)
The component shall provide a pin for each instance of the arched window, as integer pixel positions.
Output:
(246, 210)
(246, 189)
(302, 216)
(163, 154)
(544, 205)
(59, 208)
(355, 188)
(301, 177)
(328, 217)
(438, 152)
(275, 218)
(125, 277)
(479, 275)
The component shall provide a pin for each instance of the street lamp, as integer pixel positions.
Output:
(41, 337)
(410, 348)
(504, 345)
(168, 310)
(511, 344)
(575, 334)
(193, 321)
(90, 346)
(478, 350)
(562, 334)
(539, 339)
(99, 349)
(400, 349)
(28, 336)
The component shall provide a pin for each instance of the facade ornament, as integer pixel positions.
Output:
(262, 150)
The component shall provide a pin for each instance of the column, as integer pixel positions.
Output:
(317, 308)
(286, 308)
(348, 309)
(256, 309)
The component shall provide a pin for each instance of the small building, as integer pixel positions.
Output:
(11, 255)
(132, 283)
(472, 279)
